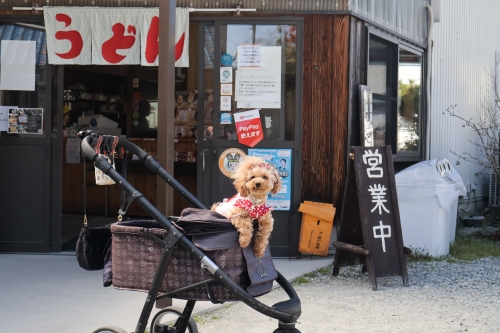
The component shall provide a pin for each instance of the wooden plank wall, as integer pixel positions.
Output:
(325, 107)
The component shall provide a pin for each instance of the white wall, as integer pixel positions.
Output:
(464, 52)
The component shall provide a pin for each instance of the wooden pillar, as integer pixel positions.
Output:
(166, 94)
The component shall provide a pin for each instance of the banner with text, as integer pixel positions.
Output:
(111, 36)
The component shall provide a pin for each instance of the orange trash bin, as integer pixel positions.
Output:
(316, 228)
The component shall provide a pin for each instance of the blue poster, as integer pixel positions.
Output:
(282, 160)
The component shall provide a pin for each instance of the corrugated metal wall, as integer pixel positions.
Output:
(404, 17)
(463, 55)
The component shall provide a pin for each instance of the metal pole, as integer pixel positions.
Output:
(166, 94)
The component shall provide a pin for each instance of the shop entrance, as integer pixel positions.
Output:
(112, 100)
(206, 142)
(252, 65)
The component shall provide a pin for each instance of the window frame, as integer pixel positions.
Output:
(391, 133)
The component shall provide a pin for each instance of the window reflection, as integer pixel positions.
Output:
(377, 68)
(279, 120)
(207, 96)
(379, 121)
(409, 77)
(381, 81)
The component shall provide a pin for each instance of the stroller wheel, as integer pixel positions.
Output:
(109, 329)
(169, 320)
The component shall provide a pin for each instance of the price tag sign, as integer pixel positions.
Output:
(248, 127)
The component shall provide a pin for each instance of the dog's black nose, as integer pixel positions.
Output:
(257, 185)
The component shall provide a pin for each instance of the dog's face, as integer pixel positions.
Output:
(256, 177)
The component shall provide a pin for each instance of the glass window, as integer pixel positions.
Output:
(208, 85)
(382, 82)
(272, 86)
(394, 77)
(409, 75)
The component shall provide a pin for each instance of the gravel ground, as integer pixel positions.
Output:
(442, 297)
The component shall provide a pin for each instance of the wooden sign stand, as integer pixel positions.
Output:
(370, 226)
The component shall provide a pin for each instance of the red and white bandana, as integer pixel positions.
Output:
(238, 201)
(254, 211)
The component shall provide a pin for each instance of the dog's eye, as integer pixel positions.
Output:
(252, 177)
(265, 177)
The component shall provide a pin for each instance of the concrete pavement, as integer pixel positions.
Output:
(52, 294)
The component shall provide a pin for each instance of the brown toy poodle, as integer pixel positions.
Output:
(254, 179)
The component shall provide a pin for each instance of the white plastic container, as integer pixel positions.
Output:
(428, 195)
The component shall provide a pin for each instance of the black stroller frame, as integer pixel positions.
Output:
(286, 312)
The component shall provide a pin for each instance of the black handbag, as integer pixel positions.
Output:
(91, 245)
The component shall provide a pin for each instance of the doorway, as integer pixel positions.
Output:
(252, 64)
(112, 100)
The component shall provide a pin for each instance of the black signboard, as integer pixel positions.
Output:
(370, 226)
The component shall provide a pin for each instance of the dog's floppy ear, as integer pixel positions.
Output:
(276, 180)
(240, 185)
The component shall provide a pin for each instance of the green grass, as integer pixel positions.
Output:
(198, 318)
(306, 278)
(464, 248)
(474, 247)
(420, 255)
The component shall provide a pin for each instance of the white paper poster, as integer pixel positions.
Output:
(249, 56)
(4, 117)
(270, 60)
(73, 150)
(262, 86)
(18, 65)
(69, 35)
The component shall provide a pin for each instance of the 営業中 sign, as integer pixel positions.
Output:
(370, 226)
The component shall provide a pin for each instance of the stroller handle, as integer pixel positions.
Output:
(287, 311)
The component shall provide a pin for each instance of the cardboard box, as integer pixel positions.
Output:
(316, 228)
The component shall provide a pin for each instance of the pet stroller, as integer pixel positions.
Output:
(174, 237)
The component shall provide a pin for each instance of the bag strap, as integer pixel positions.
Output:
(113, 147)
(98, 145)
